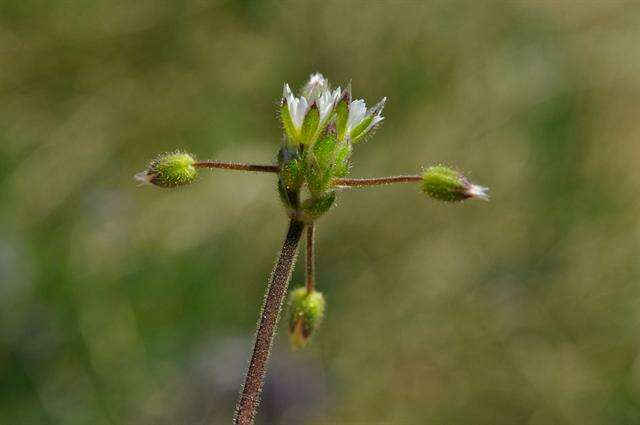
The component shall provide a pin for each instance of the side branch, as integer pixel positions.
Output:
(268, 322)
(377, 181)
(311, 257)
(237, 166)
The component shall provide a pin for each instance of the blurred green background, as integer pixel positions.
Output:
(134, 305)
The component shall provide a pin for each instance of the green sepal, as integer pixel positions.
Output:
(319, 164)
(444, 184)
(324, 150)
(287, 124)
(360, 130)
(313, 208)
(289, 198)
(291, 174)
(341, 111)
(342, 159)
(318, 178)
(310, 125)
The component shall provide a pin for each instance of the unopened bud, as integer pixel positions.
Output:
(306, 309)
(170, 170)
(445, 184)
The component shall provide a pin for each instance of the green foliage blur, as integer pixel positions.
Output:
(136, 305)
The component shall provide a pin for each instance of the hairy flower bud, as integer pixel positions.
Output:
(306, 310)
(170, 170)
(445, 184)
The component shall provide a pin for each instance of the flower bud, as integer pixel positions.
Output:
(306, 310)
(445, 184)
(170, 170)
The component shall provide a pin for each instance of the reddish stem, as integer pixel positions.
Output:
(377, 181)
(237, 166)
(311, 257)
(269, 315)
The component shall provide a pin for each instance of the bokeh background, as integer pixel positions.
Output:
(135, 305)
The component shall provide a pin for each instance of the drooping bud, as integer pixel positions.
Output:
(170, 170)
(306, 310)
(446, 184)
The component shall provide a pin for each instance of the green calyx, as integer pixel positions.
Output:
(445, 184)
(310, 125)
(305, 313)
(170, 170)
(311, 170)
(320, 127)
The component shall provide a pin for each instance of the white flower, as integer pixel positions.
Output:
(316, 86)
(358, 113)
(316, 91)
(326, 102)
(298, 107)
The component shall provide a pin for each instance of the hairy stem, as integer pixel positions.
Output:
(268, 322)
(311, 258)
(377, 181)
(237, 166)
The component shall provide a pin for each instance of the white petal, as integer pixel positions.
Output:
(325, 104)
(286, 92)
(376, 120)
(479, 192)
(357, 111)
(143, 178)
(316, 78)
(299, 113)
(336, 94)
(316, 86)
(292, 104)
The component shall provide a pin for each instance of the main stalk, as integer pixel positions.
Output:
(269, 315)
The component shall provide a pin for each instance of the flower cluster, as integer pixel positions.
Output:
(320, 127)
(304, 118)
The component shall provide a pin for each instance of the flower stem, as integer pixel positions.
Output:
(377, 181)
(311, 258)
(237, 166)
(268, 322)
